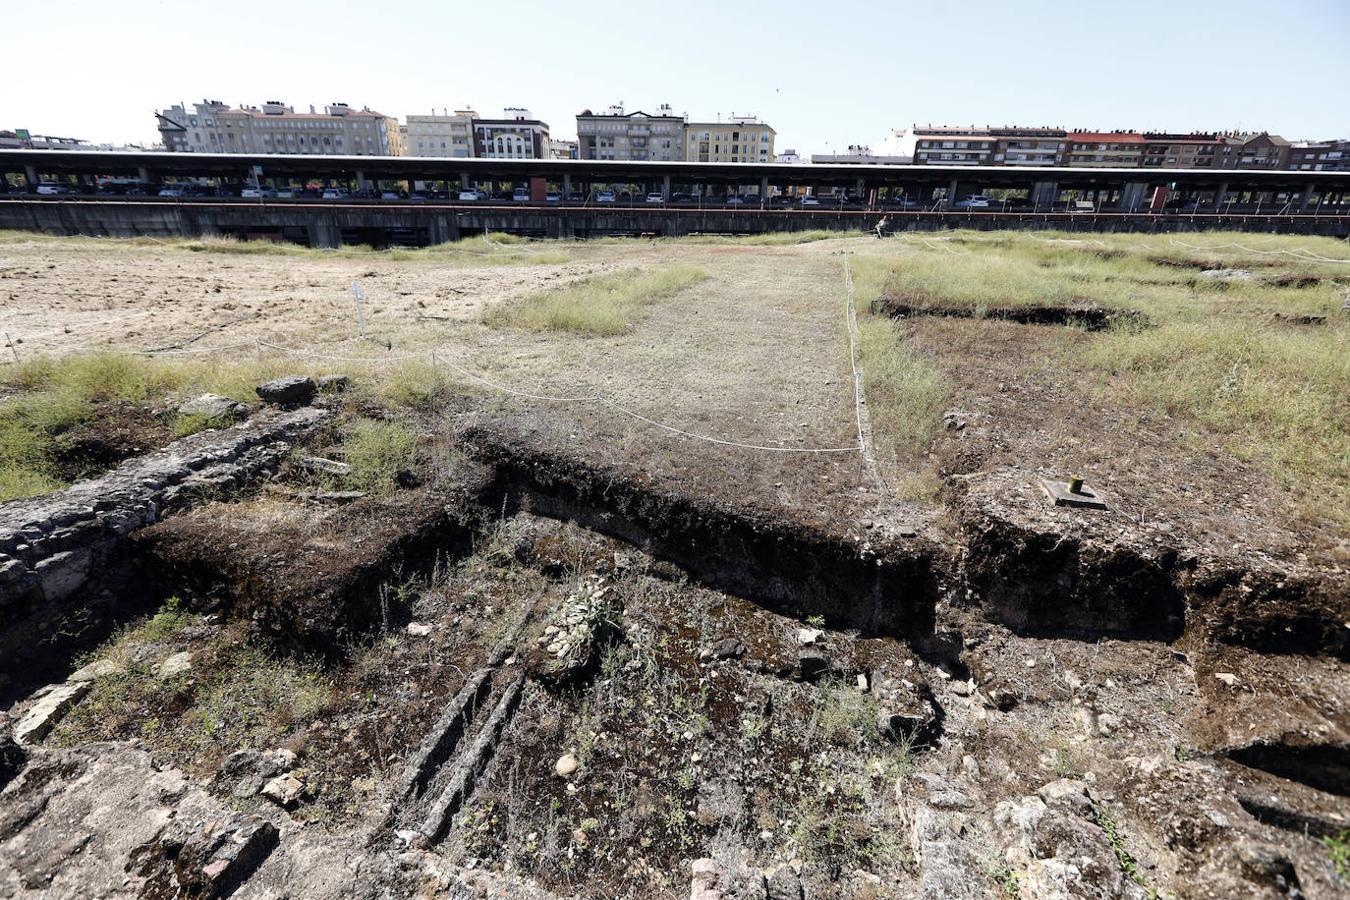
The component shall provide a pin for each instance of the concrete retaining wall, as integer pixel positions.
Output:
(331, 225)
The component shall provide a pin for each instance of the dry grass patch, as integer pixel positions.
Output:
(601, 305)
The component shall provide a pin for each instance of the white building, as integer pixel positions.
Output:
(215, 127)
(441, 135)
(637, 135)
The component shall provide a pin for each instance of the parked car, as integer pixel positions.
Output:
(419, 197)
(576, 197)
(49, 188)
(169, 190)
(552, 197)
(393, 195)
(752, 199)
(974, 201)
(656, 197)
(334, 194)
(735, 200)
(468, 196)
(137, 190)
(257, 193)
(809, 200)
(520, 195)
(604, 197)
(681, 198)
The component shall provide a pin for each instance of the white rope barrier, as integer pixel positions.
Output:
(1306, 255)
(588, 398)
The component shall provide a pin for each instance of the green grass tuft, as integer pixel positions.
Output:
(602, 305)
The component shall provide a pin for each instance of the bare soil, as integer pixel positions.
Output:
(800, 669)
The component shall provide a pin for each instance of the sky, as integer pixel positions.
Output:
(824, 74)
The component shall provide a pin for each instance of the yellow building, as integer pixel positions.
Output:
(742, 139)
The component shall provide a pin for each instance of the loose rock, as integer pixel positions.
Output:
(38, 722)
(284, 790)
(294, 390)
(212, 407)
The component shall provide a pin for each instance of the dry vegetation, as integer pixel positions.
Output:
(604, 305)
(1218, 352)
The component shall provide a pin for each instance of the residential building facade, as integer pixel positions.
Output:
(742, 139)
(947, 145)
(516, 135)
(1320, 156)
(1029, 146)
(639, 135)
(215, 127)
(441, 135)
(22, 139)
(1253, 151)
(858, 155)
(561, 149)
(1180, 151)
(1105, 149)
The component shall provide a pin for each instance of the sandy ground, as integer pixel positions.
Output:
(756, 354)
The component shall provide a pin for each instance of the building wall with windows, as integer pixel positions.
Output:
(441, 135)
(947, 145)
(1320, 156)
(637, 135)
(1029, 146)
(516, 135)
(1253, 151)
(741, 139)
(561, 149)
(215, 127)
(1181, 151)
(1105, 149)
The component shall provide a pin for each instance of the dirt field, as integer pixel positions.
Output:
(559, 612)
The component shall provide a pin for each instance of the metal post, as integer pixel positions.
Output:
(30, 172)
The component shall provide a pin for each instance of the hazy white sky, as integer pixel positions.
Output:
(824, 74)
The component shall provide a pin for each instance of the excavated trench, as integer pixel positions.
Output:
(777, 564)
(1045, 585)
(1324, 767)
(1040, 585)
(1089, 318)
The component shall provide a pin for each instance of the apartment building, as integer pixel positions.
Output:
(1320, 156)
(22, 139)
(858, 155)
(561, 149)
(443, 135)
(742, 139)
(516, 135)
(1029, 146)
(215, 127)
(946, 145)
(637, 135)
(1105, 149)
(1253, 151)
(1181, 151)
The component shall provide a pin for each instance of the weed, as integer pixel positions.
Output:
(376, 451)
(906, 393)
(844, 714)
(1338, 851)
(1128, 864)
(601, 305)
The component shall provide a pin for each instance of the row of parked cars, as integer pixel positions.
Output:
(601, 197)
